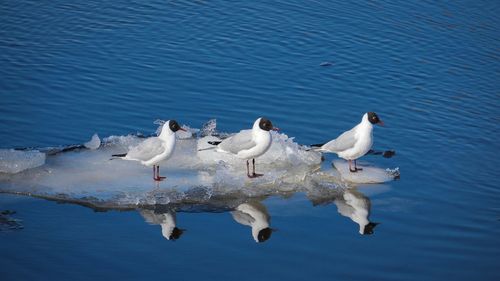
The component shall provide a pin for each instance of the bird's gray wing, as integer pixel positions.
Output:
(344, 141)
(236, 143)
(242, 218)
(150, 217)
(343, 208)
(146, 150)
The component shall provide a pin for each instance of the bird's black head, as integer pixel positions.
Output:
(369, 228)
(176, 233)
(373, 118)
(265, 124)
(174, 126)
(264, 234)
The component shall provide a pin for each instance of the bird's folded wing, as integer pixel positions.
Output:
(242, 218)
(343, 142)
(150, 217)
(147, 149)
(240, 141)
(344, 209)
(357, 200)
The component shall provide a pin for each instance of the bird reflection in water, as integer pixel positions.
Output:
(356, 206)
(255, 215)
(352, 204)
(166, 219)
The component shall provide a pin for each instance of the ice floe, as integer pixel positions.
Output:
(87, 174)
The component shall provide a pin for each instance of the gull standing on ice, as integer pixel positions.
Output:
(155, 149)
(249, 144)
(354, 143)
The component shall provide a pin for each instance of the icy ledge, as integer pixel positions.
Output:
(15, 161)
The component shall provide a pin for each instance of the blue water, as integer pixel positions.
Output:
(430, 70)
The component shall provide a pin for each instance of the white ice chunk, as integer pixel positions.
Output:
(367, 175)
(189, 133)
(93, 143)
(122, 142)
(209, 128)
(14, 161)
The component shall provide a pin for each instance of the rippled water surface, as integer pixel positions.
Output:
(430, 70)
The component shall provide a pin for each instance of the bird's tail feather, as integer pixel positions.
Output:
(208, 148)
(215, 143)
(116, 156)
(317, 145)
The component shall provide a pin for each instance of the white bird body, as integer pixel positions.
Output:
(354, 143)
(153, 150)
(247, 144)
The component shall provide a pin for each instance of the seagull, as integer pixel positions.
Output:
(255, 215)
(155, 149)
(248, 144)
(354, 143)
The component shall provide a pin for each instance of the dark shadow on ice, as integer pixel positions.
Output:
(385, 153)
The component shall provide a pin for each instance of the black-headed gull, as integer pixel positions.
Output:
(255, 215)
(354, 143)
(249, 144)
(155, 149)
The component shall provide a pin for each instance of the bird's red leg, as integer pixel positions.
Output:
(248, 170)
(350, 169)
(255, 174)
(158, 174)
(356, 167)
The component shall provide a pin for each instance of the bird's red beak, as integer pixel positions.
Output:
(276, 129)
(183, 129)
(381, 123)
